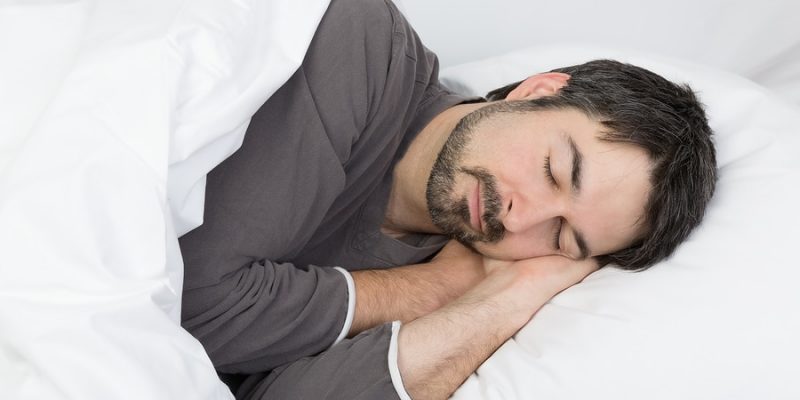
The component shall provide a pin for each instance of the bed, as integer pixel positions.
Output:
(110, 123)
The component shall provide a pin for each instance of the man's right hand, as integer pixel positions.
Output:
(461, 259)
(437, 352)
(548, 275)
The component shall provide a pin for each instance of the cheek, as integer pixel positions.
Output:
(500, 147)
(514, 171)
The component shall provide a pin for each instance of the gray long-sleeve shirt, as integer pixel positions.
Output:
(308, 191)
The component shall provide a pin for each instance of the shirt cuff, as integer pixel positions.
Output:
(351, 305)
(394, 369)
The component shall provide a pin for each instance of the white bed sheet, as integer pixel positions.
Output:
(717, 320)
(111, 114)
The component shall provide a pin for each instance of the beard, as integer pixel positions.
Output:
(451, 214)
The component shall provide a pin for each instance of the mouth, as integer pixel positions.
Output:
(475, 208)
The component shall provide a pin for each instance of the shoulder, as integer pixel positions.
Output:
(366, 25)
(377, 24)
(369, 13)
(348, 65)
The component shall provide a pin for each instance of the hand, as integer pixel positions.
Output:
(490, 264)
(436, 352)
(550, 275)
(455, 250)
(461, 260)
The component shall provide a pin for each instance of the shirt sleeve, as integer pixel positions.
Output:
(267, 314)
(394, 368)
(355, 369)
(351, 305)
(252, 295)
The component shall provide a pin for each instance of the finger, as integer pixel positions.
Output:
(452, 248)
(580, 269)
(491, 264)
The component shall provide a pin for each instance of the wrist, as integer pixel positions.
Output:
(505, 290)
(408, 292)
(533, 282)
(456, 276)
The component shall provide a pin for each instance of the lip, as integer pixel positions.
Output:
(475, 206)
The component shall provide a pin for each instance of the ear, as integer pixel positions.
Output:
(540, 85)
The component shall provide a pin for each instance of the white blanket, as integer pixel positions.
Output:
(111, 114)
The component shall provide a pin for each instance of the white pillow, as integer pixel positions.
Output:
(717, 320)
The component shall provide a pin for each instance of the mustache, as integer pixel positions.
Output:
(494, 231)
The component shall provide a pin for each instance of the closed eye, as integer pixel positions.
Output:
(549, 172)
(556, 242)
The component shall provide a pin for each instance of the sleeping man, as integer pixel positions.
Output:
(378, 237)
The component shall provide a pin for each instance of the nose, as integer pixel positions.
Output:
(526, 214)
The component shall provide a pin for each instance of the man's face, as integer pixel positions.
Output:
(521, 185)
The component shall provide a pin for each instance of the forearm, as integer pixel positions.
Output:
(408, 292)
(437, 352)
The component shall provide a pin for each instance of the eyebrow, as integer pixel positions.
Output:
(577, 165)
(576, 175)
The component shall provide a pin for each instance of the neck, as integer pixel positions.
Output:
(407, 210)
